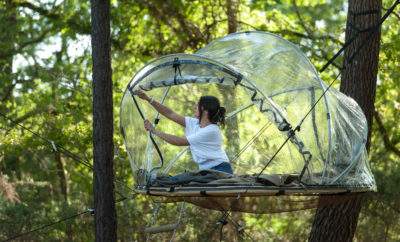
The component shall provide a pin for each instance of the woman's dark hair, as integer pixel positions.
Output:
(216, 113)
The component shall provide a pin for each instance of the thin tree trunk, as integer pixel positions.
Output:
(228, 94)
(103, 177)
(231, 11)
(61, 171)
(338, 222)
(62, 176)
(232, 130)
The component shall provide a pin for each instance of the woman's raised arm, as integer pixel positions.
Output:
(164, 110)
(169, 138)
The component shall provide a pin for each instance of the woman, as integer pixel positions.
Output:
(202, 134)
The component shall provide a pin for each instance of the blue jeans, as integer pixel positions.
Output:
(224, 167)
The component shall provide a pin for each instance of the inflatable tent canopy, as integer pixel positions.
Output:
(269, 88)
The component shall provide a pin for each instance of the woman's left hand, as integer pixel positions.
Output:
(148, 125)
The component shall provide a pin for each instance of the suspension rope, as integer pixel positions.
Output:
(227, 216)
(87, 211)
(59, 148)
(251, 141)
(352, 39)
(239, 227)
(347, 44)
(297, 128)
(157, 119)
(53, 145)
(181, 214)
(153, 218)
(56, 147)
(222, 221)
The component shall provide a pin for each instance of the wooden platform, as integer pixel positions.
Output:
(245, 191)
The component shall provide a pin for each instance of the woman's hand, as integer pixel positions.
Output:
(148, 125)
(169, 138)
(142, 95)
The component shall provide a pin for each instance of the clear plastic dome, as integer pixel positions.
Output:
(267, 86)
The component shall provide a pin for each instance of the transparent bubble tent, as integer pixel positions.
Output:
(270, 89)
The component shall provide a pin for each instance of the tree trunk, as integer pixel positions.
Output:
(338, 222)
(228, 94)
(103, 177)
(62, 176)
(8, 16)
(231, 130)
(360, 75)
(61, 171)
(231, 12)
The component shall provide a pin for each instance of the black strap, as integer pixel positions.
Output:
(250, 141)
(151, 136)
(351, 40)
(222, 222)
(176, 65)
(238, 79)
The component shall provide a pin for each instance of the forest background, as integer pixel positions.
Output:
(45, 63)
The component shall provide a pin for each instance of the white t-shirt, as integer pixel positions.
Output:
(205, 143)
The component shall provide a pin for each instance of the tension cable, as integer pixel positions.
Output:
(345, 46)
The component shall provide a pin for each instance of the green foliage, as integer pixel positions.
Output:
(45, 75)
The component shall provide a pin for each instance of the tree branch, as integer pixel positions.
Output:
(301, 20)
(388, 144)
(7, 189)
(72, 22)
(166, 11)
(10, 88)
(37, 9)
(26, 116)
(292, 33)
(21, 46)
(309, 31)
(324, 55)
